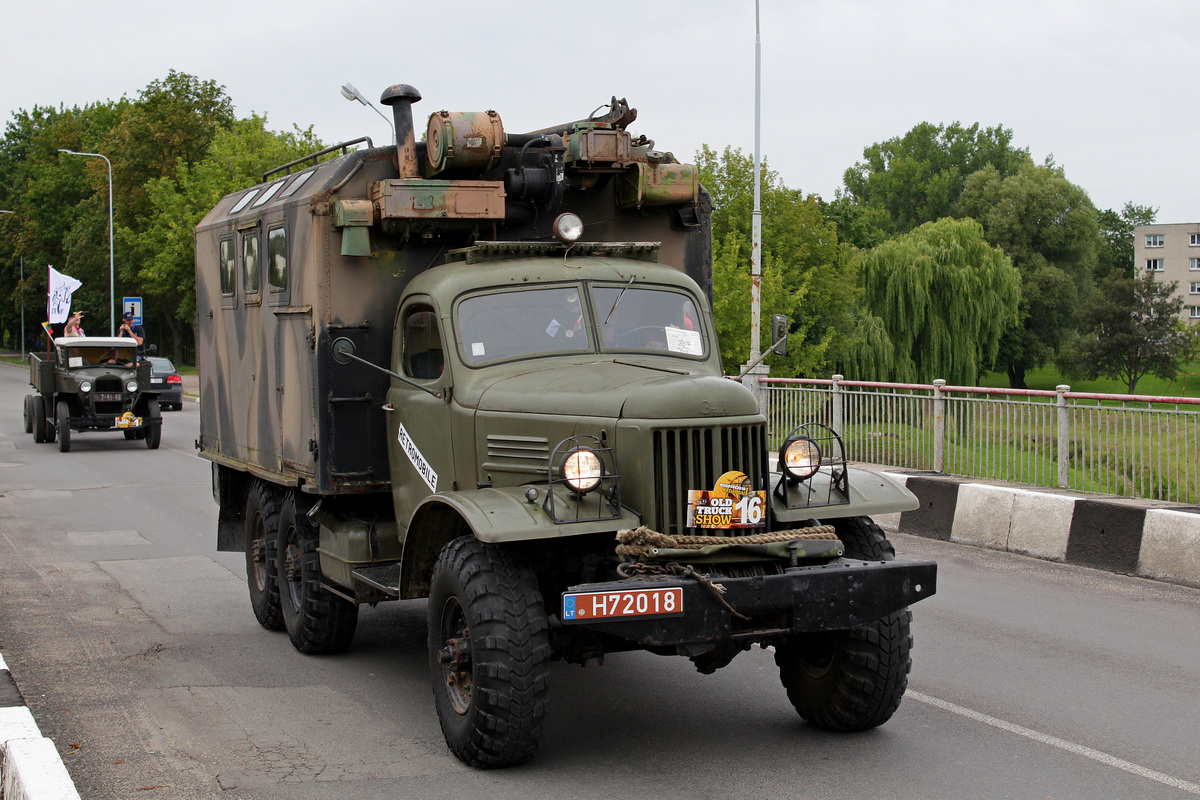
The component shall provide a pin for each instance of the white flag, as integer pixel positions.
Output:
(58, 306)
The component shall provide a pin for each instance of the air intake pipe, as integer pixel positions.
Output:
(401, 97)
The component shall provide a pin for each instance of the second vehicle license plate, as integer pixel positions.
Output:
(585, 606)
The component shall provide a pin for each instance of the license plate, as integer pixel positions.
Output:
(156, 380)
(586, 606)
(107, 397)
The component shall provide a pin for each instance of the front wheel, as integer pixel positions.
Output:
(153, 433)
(848, 680)
(63, 423)
(317, 620)
(489, 653)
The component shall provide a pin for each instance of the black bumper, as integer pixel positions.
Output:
(838, 595)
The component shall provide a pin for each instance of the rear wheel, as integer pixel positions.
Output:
(39, 418)
(489, 653)
(317, 620)
(63, 422)
(850, 680)
(153, 433)
(130, 435)
(262, 551)
(29, 413)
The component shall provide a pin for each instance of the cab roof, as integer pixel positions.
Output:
(95, 341)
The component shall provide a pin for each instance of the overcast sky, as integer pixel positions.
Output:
(1104, 86)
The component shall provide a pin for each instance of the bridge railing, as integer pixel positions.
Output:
(1128, 445)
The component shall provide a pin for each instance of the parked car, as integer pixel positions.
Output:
(167, 382)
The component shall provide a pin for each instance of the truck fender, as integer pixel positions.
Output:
(493, 515)
(870, 493)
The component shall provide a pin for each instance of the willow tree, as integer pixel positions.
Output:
(943, 296)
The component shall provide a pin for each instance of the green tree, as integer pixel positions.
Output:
(800, 250)
(237, 158)
(918, 177)
(1048, 227)
(1115, 254)
(942, 296)
(1131, 329)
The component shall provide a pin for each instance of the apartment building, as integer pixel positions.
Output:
(1172, 253)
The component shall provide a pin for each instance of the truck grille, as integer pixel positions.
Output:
(693, 458)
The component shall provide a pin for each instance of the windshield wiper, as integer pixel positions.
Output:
(614, 305)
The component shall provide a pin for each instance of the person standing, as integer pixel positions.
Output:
(129, 330)
(74, 326)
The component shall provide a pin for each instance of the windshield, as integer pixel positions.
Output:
(91, 356)
(506, 325)
(501, 326)
(634, 318)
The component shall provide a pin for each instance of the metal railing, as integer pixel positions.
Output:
(1128, 445)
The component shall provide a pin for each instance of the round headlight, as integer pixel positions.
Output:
(567, 228)
(131, 387)
(800, 458)
(581, 470)
(85, 386)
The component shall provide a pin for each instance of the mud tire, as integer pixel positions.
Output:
(491, 696)
(62, 421)
(262, 553)
(317, 621)
(850, 680)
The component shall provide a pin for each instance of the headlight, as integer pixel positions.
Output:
(581, 470)
(131, 387)
(800, 458)
(567, 228)
(85, 386)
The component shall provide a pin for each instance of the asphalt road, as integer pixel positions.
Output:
(133, 641)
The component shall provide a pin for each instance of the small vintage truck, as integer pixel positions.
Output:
(91, 383)
(485, 371)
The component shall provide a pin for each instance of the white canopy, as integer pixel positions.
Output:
(95, 341)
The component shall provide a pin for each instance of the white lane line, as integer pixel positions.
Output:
(1062, 744)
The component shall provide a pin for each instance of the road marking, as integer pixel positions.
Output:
(1062, 744)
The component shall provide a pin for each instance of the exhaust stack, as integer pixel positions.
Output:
(401, 97)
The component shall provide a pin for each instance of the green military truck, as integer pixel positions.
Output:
(482, 369)
(91, 383)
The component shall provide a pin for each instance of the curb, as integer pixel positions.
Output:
(30, 766)
(1135, 537)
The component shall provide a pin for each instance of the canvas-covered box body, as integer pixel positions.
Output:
(324, 250)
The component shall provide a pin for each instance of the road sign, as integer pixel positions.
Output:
(132, 305)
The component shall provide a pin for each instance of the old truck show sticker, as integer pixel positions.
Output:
(732, 503)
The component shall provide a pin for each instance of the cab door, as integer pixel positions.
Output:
(421, 451)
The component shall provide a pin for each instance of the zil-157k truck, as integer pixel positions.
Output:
(483, 369)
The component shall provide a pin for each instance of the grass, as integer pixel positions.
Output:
(1186, 385)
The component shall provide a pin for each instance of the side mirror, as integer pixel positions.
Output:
(779, 330)
(152, 350)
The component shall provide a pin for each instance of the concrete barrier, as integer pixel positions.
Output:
(1145, 538)
(30, 766)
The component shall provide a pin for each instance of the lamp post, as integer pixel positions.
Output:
(22, 299)
(350, 93)
(112, 283)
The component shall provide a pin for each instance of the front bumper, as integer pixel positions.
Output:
(838, 595)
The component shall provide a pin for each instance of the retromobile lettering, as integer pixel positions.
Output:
(732, 503)
(423, 467)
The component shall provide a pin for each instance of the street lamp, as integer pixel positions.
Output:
(350, 93)
(112, 283)
(22, 299)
